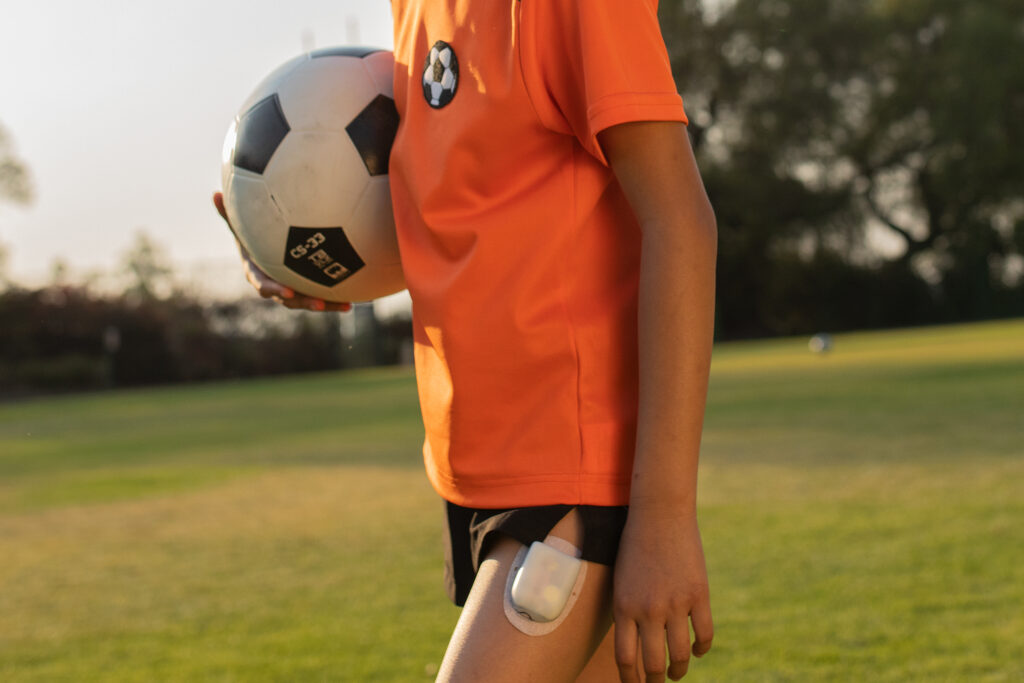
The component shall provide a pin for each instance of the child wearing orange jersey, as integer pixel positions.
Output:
(559, 250)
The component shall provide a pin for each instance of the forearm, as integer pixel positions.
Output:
(660, 576)
(676, 328)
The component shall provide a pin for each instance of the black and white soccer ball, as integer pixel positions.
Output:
(305, 175)
(440, 75)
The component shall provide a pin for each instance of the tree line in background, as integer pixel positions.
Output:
(72, 337)
(816, 123)
(814, 120)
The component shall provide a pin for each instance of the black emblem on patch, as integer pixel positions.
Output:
(323, 255)
(440, 75)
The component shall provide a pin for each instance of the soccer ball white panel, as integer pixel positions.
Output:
(248, 203)
(308, 105)
(448, 79)
(381, 67)
(269, 85)
(376, 246)
(372, 282)
(318, 177)
(228, 154)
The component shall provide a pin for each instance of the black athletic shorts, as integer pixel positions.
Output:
(470, 534)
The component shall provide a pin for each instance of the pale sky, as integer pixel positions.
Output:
(119, 108)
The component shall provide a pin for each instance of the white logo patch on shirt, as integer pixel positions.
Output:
(440, 75)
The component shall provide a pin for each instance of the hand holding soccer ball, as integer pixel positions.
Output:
(270, 288)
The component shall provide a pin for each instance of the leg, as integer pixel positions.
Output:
(485, 646)
(602, 667)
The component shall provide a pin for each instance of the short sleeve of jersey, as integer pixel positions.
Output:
(592, 64)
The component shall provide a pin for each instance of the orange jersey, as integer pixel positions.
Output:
(519, 248)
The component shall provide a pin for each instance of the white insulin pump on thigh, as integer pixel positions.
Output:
(544, 583)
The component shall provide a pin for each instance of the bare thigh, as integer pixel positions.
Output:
(602, 667)
(486, 647)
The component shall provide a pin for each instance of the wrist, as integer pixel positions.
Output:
(672, 505)
(668, 484)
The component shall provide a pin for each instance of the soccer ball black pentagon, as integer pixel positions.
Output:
(305, 175)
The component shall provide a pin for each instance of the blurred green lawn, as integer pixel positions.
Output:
(862, 511)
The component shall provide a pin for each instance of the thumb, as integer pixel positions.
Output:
(218, 201)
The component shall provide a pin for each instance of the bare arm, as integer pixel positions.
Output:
(660, 579)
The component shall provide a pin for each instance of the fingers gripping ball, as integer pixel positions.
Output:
(305, 175)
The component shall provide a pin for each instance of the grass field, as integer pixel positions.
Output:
(862, 511)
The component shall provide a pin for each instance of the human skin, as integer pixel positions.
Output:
(659, 586)
(660, 579)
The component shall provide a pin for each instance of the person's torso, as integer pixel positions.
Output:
(521, 257)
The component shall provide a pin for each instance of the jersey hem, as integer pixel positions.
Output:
(532, 491)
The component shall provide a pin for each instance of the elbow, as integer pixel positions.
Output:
(707, 224)
(697, 229)
(703, 226)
